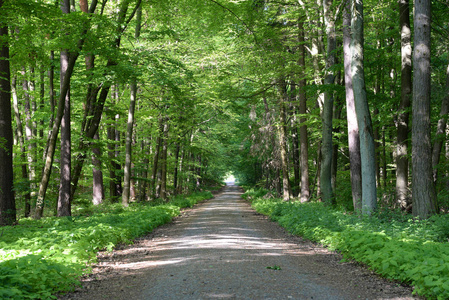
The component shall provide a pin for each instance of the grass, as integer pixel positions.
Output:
(395, 245)
(39, 258)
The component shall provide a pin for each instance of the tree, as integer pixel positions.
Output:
(328, 104)
(303, 134)
(64, 203)
(351, 116)
(424, 196)
(402, 193)
(130, 126)
(286, 194)
(7, 200)
(367, 152)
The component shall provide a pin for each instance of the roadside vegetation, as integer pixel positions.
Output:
(41, 257)
(393, 244)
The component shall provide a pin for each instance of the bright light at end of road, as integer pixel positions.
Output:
(230, 179)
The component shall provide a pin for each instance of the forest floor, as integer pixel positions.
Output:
(223, 249)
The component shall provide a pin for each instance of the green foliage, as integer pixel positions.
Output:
(40, 258)
(394, 245)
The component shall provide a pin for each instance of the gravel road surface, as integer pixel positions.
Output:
(222, 249)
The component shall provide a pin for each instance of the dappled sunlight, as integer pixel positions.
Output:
(149, 264)
(224, 250)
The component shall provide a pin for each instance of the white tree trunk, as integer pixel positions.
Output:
(367, 151)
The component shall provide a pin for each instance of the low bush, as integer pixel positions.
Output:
(41, 257)
(394, 245)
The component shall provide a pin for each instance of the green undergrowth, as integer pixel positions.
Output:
(39, 258)
(396, 246)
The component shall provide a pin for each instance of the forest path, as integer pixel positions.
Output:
(221, 250)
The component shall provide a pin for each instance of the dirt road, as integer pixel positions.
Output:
(222, 249)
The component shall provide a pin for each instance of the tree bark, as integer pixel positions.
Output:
(51, 143)
(367, 150)
(177, 167)
(286, 192)
(129, 128)
(7, 199)
(163, 190)
(21, 140)
(64, 207)
(156, 159)
(441, 130)
(423, 196)
(29, 133)
(326, 145)
(303, 135)
(97, 173)
(402, 192)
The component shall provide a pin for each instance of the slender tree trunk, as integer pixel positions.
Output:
(286, 193)
(64, 207)
(441, 130)
(367, 151)
(128, 146)
(303, 135)
(157, 151)
(21, 140)
(326, 146)
(163, 191)
(177, 166)
(97, 173)
(402, 192)
(51, 143)
(51, 82)
(129, 128)
(293, 98)
(353, 128)
(29, 136)
(424, 196)
(336, 115)
(7, 200)
(114, 192)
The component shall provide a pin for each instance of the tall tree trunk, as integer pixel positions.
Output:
(303, 135)
(286, 192)
(326, 145)
(353, 128)
(441, 130)
(21, 140)
(367, 151)
(114, 180)
(29, 132)
(130, 126)
(143, 182)
(163, 191)
(7, 200)
(51, 143)
(157, 152)
(64, 205)
(128, 146)
(52, 93)
(97, 173)
(177, 167)
(402, 193)
(423, 196)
